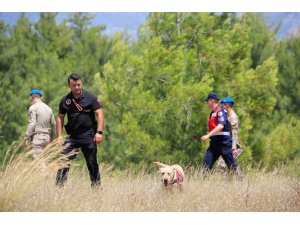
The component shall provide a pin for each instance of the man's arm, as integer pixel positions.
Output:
(234, 133)
(234, 122)
(217, 129)
(30, 128)
(100, 119)
(53, 127)
(59, 125)
(100, 124)
(234, 138)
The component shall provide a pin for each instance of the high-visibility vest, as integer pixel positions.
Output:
(213, 119)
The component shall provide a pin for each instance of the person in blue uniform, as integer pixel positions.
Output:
(219, 135)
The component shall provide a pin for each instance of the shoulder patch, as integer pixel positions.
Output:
(68, 101)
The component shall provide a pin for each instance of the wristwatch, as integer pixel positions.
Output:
(99, 132)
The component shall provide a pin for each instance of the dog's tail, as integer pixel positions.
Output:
(159, 164)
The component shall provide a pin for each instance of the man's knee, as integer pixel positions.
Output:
(229, 160)
(207, 163)
(36, 152)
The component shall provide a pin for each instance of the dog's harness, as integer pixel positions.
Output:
(178, 178)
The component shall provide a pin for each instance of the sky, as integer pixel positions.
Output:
(114, 21)
(150, 6)
(131, 21)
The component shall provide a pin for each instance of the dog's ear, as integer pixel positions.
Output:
(159, 165)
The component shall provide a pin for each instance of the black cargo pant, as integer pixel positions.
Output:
(90, 154)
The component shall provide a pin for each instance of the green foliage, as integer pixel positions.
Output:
(283, 143)
(152, 90)
(262, 37)
(41, 55)
(162, 86)
(288, 59)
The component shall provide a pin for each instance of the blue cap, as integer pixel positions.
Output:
(211, 95)
(227, 100)
(35, 92)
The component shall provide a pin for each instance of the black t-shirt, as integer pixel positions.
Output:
(82, 123)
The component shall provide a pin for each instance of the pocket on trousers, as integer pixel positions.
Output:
(41, 140)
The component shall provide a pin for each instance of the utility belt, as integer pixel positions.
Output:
(225, 133)
(41, 132)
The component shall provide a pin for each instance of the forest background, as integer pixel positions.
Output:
(152, 88)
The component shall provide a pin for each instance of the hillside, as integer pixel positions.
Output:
(290, 23)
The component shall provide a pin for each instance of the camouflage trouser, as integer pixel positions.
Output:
(39, 142)
(221, 165)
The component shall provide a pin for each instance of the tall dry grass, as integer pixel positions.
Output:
(23, 187)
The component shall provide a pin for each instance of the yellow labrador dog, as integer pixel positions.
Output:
(171, 176)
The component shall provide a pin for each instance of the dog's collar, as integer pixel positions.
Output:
(178, 178)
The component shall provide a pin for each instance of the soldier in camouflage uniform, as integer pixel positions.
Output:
(41, 125)
(233, 119)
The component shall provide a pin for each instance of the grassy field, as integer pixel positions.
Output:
(23, 188)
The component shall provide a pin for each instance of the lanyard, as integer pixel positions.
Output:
(79, 107)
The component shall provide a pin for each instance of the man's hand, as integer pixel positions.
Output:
(234, 153)
(98, 138)
(204, 138)
(26, 144)
(60, 140)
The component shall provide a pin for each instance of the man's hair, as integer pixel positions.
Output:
(35, 96)
(74, 76)
(228, 104)
(215, 100)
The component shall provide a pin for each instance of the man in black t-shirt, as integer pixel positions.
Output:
(83, 130)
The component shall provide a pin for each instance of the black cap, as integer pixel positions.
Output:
(211, 95)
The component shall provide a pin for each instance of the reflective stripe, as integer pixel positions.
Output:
(222, 133)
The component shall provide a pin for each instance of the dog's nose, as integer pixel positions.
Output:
(165, 181)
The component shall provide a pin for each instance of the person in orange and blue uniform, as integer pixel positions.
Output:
(219, 135)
